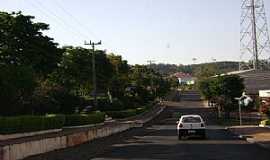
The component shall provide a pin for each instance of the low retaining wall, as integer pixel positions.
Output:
(19, 135)
(32, 146)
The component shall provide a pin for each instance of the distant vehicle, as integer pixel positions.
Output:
(190, 125)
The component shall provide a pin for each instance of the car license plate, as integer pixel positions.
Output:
(191, 131)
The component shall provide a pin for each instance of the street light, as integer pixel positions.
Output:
(244, 100)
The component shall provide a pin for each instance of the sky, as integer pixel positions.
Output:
(166, 31)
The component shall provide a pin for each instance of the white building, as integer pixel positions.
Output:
(184, 78)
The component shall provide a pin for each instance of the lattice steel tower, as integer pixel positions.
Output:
(255, 43)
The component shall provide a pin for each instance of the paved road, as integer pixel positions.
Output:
(158, 141)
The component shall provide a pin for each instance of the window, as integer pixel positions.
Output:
(192, 120)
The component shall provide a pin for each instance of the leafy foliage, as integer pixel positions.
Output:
(265, 122)
(38, 77)
(20, 124)
(23, 44)
(206, 71)
(17, 84)
(122, 114)
(221, 67)
(222, 90)
(84, 119)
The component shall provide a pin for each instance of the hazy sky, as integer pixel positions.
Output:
(168, 31)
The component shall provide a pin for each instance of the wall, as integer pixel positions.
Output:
(23, 149)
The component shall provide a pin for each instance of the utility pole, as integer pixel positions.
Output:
(94, 69)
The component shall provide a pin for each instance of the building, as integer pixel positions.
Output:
(184, 78)
(254, 80)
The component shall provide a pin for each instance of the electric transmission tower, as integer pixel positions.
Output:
(254, 39)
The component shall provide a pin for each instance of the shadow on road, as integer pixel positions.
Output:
(160, 142)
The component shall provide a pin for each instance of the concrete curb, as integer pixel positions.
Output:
(253, 141)
(83, 126)
(267, 126)
(144, 121)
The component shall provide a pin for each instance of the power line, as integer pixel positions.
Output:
(46, 14)
(75, 19)
(61, 21)
(86, 28)
(59, 18)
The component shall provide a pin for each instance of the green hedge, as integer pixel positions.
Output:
(265, 122)
(129, 112)
(123, 114)
(20, 124)
(84, 119)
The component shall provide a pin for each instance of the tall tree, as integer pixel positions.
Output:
(120, 80)
(75, 71)
(27, 56)
(222, 90)
(22, 42)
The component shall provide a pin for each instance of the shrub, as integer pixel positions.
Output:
(20, 124)
(84, 119)
(265, 122)
(140, 110)
(266, 109)
(50, 97)
(122, 114)
(17, 84)
(105, 105)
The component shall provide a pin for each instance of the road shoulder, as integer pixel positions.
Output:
(253, 134)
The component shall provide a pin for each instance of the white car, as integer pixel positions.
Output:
(190, 125)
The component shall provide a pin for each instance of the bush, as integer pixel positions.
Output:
(20, 124)
(84, 119)
(17, 84)
(140, 110)
(265, 122)
(105, 105)
(266, 109)
(130, 112)
(122, 114)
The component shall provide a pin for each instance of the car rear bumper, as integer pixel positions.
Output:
(187, 132)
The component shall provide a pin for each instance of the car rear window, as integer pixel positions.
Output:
(191, 120)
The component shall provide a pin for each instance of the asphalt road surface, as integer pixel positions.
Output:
(158, 141)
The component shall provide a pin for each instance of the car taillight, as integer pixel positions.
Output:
(202, 124)
(181, 125)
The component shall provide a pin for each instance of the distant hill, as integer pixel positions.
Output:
(167, 69)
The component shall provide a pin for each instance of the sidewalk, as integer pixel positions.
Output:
(253, 134)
